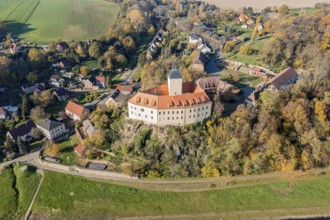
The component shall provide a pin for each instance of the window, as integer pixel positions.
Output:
(139, 115)
(202, 108)
(168, 118)
(160, 113)
(152, 117)
(177, 112)
(189, 116)
(181, 112)
(181, 117)
(194, 110)
(152, 112)
(131, 112)
(207, 107)
(172, 112)
(190, 111)
(198, 109)
(172, 118)
(168, 112)
(164, 112)
(142, 109)
(197, 115)
(177, 118)
(146, 116)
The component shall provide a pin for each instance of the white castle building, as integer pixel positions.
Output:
(174, 103)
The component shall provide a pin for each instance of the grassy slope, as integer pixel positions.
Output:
(8, 194)
(88, 198)
(58, 19)
(16, 195)
(27, 182)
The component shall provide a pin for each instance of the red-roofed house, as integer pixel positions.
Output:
(283, 79)
(76, 112)
(125, 89)
(79, 149)
(100, 81)
(257, 71)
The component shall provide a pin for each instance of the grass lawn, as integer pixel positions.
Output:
(68, 155)
(8, 201)
(58, 106)
(254, 81)
(91, 64)
(17, 189)
(26, 183)
(36, 144)
(45, 20)
(89, 198)
(254, 59)
(307, 11)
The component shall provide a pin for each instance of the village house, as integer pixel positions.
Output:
(3, 113)
(61, 94)
(257, 71)
(88, 84)
(88, 128)
(23, 131)
(76, 112)
(28, 88)
(125, 89)
(64, 64)
(51, 129)
(282, 80)
(100, 81)
(11, 109)
(61, 46)
(56, 81)
(195, 39)
(175, 103)
(79, 149)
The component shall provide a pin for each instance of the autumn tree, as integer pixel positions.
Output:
(84, 70)
(94, 50)
(38, 113)
(245, 50)
(229, 46)
(283, 10)
(36, 58)
(32, 77)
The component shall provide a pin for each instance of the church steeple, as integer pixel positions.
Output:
(174, 80)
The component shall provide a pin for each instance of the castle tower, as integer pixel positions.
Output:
(174, 81)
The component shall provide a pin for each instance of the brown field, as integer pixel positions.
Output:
(258, 5)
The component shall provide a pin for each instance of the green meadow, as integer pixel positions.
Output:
(42, 21)
(68, 196)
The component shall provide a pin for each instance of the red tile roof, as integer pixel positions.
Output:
(55, 77)
(75, 108)
(283, 77)
(124, 88)
(158, 98)
(100, 78)
(79, 149)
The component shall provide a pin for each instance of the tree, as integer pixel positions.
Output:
(229, 46)
(21, 146)
(38, 113)
(283, 10)
(151, 30)
(121, 60)
(10, 145)
(84, 70)
(254, 34)
(108, 82)
(129, 44)
(53, 150)
(46, 98)
(36, 133)
(25, 106)
(32, 77)
(94, 50)
(320, 110)
(36, 58)
(245, 50)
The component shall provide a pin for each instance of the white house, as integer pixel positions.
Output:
(195, 39)
(51, 129)
(56, 81)
(204, 48)
(75, 111)
(175, 103)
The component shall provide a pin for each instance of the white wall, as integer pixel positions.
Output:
(170, 116)
(174, 86)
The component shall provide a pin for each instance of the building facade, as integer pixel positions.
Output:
(175, 103)
(51, 129)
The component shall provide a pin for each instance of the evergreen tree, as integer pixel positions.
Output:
(108, 82)
(25, 106)
(21, 146)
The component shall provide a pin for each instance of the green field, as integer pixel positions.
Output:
(49, 20)
(17, 189)
(67, 196)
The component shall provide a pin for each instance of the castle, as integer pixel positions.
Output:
(175, 103)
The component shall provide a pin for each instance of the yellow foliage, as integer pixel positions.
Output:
(209, 171)
(320, 110)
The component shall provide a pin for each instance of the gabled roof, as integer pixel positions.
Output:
(283, 77)
(55, 78)
(22, 130)
(88, 127)
(75, 108)
(124, 88)
(61, 92)
(174, 73)
(257, 69)
(65, 62)
(100, 79)
(79, 149)
(49, 125)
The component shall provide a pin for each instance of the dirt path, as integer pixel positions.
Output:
(28, 212)
(258, 5)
